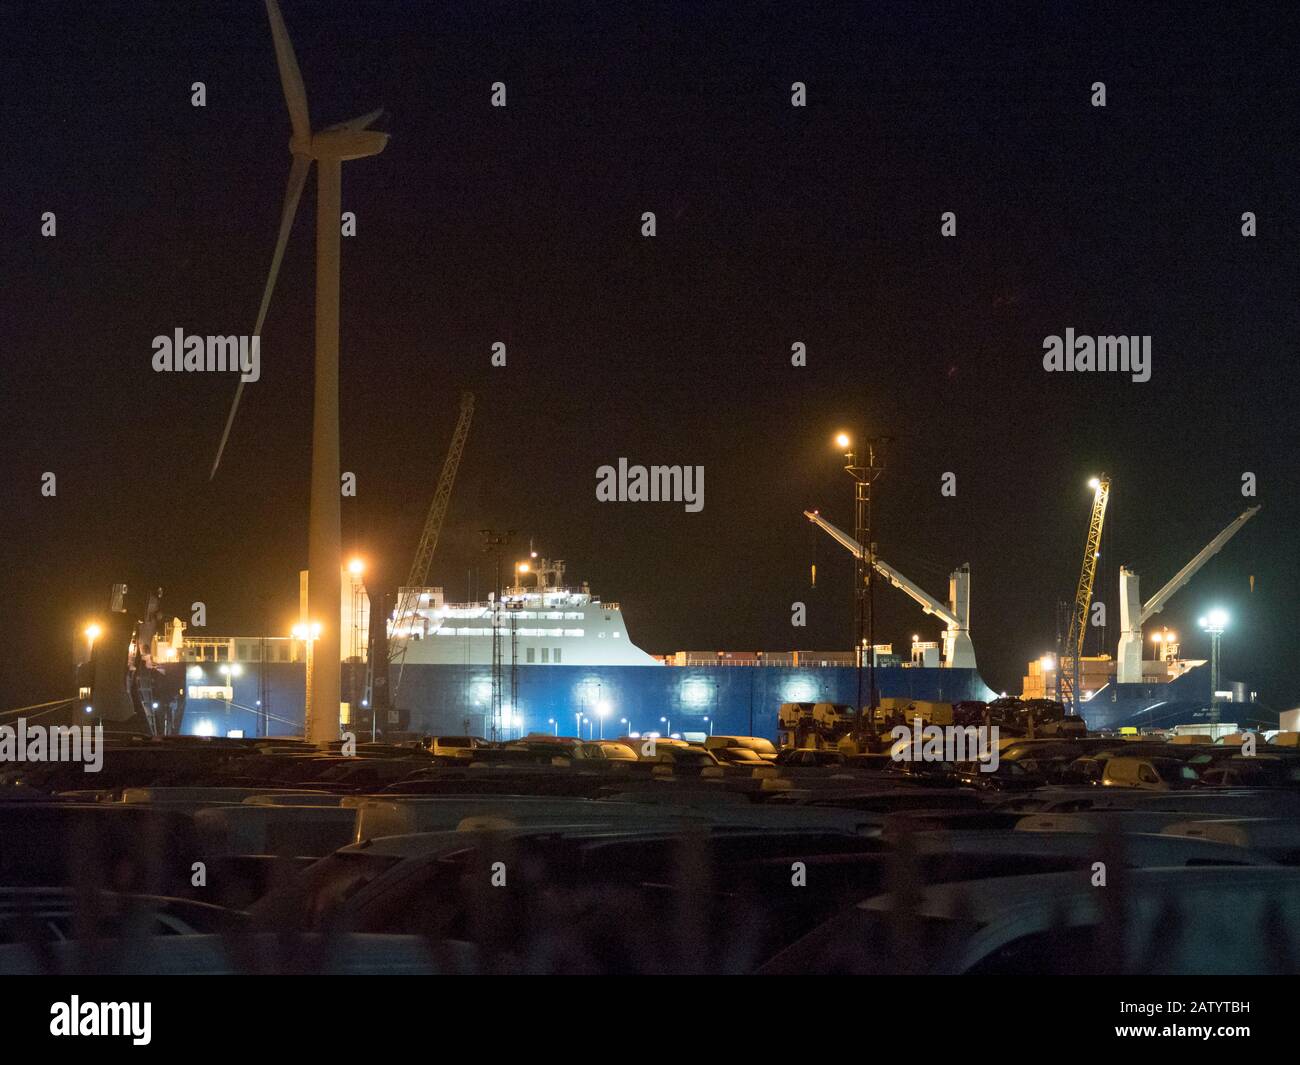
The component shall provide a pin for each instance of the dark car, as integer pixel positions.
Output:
(808, 756)
(1005, 776)
(741, 756)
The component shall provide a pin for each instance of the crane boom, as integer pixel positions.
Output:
(419, 574)
(928, 603)
(1157, 602)
(441, 497)
(1083, 591)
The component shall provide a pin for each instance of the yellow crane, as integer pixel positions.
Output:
(419, 575)
(1067, 689)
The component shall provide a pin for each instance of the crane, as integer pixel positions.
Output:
(1083, 597)
(418, 577)
(1134, 613)
(957, 647)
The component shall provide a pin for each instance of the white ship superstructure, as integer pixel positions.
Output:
(546, 624)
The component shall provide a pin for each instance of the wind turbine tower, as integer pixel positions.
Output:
(329, 148)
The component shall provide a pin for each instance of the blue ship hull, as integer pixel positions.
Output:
(1182, 701)
(453, 699)
(727, 700)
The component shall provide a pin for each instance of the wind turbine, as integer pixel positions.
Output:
(328, 148)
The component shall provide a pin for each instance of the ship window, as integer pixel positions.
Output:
(557, 656)
(573, 632)
(546, 654)
(618, 634)
(531, 655)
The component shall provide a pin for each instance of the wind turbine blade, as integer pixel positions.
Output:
(292, 194)
(361, 122)
(295, 94)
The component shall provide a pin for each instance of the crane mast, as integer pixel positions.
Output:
(419, 575)
(1067, 691)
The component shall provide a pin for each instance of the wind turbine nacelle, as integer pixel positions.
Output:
(345, 144)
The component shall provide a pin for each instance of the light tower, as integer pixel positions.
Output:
(1214, 623)
(864, 565)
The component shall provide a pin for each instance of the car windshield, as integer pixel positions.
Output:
(454, 741)
(1171, 769)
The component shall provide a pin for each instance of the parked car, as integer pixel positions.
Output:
(809, 756)
(604, 751)
(1150, 774)
(1256, 771)
(688, 758)
(741, 756)
(453, 746)
(764, 748)
(1005, 776)
(1056, 923)
(54, 915)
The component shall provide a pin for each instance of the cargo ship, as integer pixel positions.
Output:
(541, 658)
(545, 657)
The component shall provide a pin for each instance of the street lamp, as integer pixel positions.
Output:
(668, 726)
(710, 723)
(627, 726)
(602, 711)
(1214, 623)
(554, 725)
(308, 634)
(864, 566)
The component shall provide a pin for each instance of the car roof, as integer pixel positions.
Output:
(1143, 848)
(421, 844)
(984, 900)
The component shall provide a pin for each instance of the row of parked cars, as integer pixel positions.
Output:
(715, 750)
(253, 856)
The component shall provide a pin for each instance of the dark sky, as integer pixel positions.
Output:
(775, 225)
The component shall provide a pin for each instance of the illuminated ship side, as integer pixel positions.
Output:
(567, 665)
(545, 624)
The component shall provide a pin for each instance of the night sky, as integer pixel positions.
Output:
(776, 224)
